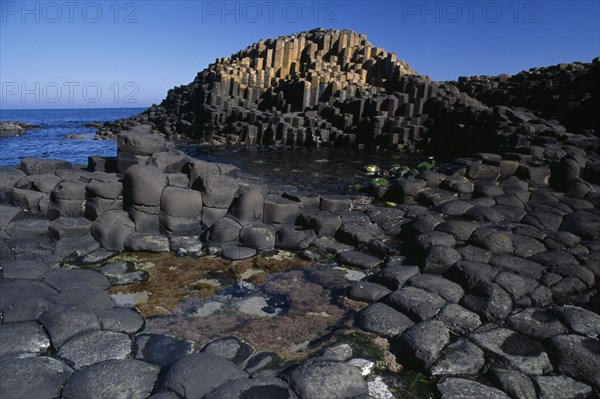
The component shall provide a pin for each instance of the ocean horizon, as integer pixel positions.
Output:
(50, 141)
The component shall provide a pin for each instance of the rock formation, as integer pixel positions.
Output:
(330, 87)
(12, 129)
(482, 274)
(569, 93)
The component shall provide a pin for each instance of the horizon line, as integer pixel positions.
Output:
(74, 108)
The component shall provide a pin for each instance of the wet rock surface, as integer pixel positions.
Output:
(172, 276)
(15, 128)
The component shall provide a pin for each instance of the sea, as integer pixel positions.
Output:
(51, 142)
(319, 170)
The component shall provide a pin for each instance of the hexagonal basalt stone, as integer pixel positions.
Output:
(259, 236)
(23, 269)
(367, 292)
(63, 279)
(65, 321)
(383, 320)
(216, 371)
(334, 203)
(581, 321)
(519, 265)
(123, 273)
(161, 350)
(85, 298)
(112, 228)
(288, 237)
(395, 276)
(143, 185)
(238, 253)
(147, 242)
(115, 379)
(424, 241)
(358, 259)
(24, 300)
(458, 319)
(353, 233)
(39, 377)
(445, 288)
(536, 323)
(440, 258)
(489, 301)
(577, 357)
(122, 320)
(516, 285)
(460, 388)
(517, 350)
(94, 347)
(225, 229)
(22, 339)
(459, 358)
(261, 387)
(62, 228)
(280, 210)
(421, 344)
(561, 387)
(513, 382)
(416, 303)
(230, 348)
(321, 379)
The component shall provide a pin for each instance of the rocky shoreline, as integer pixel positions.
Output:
(15, 128)
(484, 275)
(480, 273)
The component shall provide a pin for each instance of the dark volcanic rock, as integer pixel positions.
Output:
(416, 303)
(446, 289)
(14, 128)
(577, 357)
(458, 319)
(459, 358)
(514, 349)
(561, 386)
(216, 371)
(321, 379)
(260, 236)
(383, 320)
(460, 388)
(367, 291)
(161, 350)
(24, 300)
(23, 339)
(536, 323)
(62, 322)
(118, 379)
(63, 279)
(123, 320)
(422, 343)
(93, 347)
(262, 387)
(515, 383)
(34, 377)
(489, 301)
(358, 259)
(585, 224)
(230, 348)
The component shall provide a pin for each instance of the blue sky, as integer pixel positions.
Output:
(59, 54)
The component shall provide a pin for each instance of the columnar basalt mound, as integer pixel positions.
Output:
(259, 94)
(331, 87)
